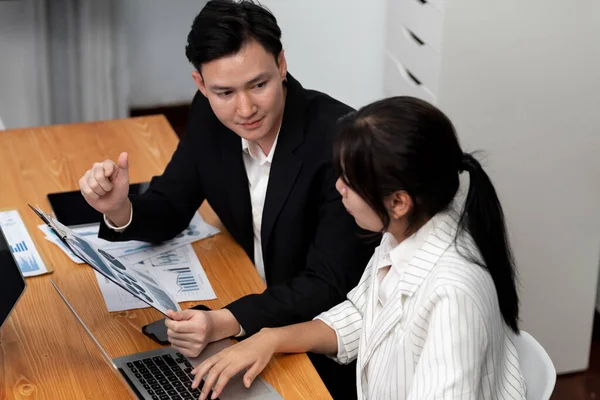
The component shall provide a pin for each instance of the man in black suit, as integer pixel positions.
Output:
(258, 148)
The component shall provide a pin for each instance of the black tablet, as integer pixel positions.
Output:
(12, 284)
(71, 209)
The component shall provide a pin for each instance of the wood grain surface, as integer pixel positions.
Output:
(44, 352)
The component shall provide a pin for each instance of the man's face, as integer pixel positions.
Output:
(245, 91)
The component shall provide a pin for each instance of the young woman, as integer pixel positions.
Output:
(436, 311)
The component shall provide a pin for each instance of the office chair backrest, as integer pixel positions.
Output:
(537, 367)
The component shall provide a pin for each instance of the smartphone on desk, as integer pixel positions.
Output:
(157, 330)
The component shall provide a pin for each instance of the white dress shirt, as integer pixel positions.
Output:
(258, 169)
(120, 228)
(432, 330)
(395, 258)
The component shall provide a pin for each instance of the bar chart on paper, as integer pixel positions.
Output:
(28, 264)
(185, 280)
(182, 273)
(21, 245)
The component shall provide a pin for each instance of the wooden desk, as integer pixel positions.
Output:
(44, 352)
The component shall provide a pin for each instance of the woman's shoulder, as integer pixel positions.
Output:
(459, 274)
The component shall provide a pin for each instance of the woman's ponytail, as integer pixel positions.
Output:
(483, 218)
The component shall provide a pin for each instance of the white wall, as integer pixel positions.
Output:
(23, 90)
(156, 34)
(520, 79)
(334, 46)
(598, 296)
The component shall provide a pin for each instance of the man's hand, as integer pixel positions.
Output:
(253, 355)
(189, 331)
(106, 188)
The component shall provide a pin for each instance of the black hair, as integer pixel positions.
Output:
(403, 143)
(223, 27)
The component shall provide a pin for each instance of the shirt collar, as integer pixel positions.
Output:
(398, 255)
(435, 237)
(254, 150)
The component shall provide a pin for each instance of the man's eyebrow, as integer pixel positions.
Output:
(256, 79)
(217, 88)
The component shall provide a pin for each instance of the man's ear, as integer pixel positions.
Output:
(282, 64)
(199, 81)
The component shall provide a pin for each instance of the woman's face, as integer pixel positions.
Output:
(363, 214)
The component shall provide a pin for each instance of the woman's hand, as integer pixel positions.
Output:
(252, 354)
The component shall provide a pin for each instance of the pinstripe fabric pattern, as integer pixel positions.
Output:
(441, 335)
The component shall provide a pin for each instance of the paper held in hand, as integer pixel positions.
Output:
(139, 283)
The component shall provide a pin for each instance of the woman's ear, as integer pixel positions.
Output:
(399, 204)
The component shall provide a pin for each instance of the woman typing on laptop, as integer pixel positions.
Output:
(436, 310)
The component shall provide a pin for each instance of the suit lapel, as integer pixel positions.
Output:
(368, 326)
(413, 276)
(235, 181)
(286, 165)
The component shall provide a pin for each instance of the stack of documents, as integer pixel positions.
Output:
(173, 263)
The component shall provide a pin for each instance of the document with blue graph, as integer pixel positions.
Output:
(21, 244)
(140, 282)
(133, 252)
(178, 270)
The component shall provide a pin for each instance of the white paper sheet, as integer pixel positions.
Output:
(21, 245)
(179, 272)
(51, 237)
(133, 252)
(90, 233)
(137, 281)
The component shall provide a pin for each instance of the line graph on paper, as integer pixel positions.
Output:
(181, 272)
(170, 258)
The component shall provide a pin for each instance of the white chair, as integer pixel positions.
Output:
(1, 125)
(537, 367)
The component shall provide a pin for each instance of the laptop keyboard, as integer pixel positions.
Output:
(165, 377)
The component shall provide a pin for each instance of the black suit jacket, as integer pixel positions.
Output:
(313, 254)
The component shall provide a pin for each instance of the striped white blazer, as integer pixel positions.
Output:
(441, 336)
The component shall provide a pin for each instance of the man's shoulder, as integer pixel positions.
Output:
(322, 106)
(200, 106)
(322, 113)
(202, 121)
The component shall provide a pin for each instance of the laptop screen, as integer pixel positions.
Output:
(12, 283)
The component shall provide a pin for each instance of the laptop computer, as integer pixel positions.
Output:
(12, 283)
(164, 373)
